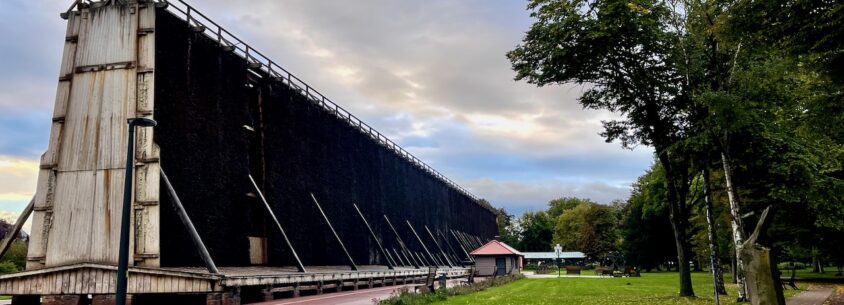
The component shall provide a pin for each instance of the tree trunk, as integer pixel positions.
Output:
(815, 266)
(714, 261)
(738, 233)
(764, 287)
(678, 218)
(733, 269)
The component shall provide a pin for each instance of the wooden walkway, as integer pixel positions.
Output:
(814, 296)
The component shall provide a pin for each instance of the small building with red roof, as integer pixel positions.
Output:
(496, 258)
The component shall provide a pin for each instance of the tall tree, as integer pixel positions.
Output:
(645, 229)
(537, 230)
(630, 55)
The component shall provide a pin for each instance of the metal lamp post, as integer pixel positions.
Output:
(558, 250)
(123, 260)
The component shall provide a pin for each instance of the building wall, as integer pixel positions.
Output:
(105, 78)
(485, 265)
(220, 122)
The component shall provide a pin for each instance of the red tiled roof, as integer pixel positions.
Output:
(495, 247)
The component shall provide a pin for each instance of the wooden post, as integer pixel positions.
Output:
(442, 252)
(339, 241)
(13, 234)
(180, 211)
(401, 243)
(390, 265)
(434, 260)
(299, 265)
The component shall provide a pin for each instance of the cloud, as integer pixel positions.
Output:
(518, 196)
(431, 75)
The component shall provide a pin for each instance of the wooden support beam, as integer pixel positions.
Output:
(183, 216)
(339, 241)
(469, 257)
(13, 234)
(454, 254)
(401, 243)
(403, 263)
(434, 260)
(299, 265)
(447, 261)
(390, 264)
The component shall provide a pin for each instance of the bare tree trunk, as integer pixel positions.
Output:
(678, 216)
(715, 261)
(738, 233)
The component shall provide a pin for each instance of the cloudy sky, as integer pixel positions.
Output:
(432, 75)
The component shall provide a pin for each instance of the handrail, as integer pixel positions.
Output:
(258, 61)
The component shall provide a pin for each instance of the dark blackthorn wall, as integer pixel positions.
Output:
(204, 96)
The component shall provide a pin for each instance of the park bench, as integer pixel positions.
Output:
(429, 280)
(789, 281)
(572, 270)
(603, 272)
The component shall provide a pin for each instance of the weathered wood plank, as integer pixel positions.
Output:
(105, 231)
(62, 96)
(70, 232)
(108, 36)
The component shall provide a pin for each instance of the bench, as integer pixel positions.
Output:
(603, 272)
(572, 270)
(789, 281)
(429, 280)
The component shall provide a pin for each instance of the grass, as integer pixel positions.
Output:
(411, 298)
(651, 288)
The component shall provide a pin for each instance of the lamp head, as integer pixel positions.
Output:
(142, 122)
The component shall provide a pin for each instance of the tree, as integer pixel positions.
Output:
(647, 241)
(557, 206)
(537, 229)
(507, 231)
(588, 227)
(630, 55)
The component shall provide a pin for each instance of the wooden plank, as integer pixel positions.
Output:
(117, 105)
(75, 283)
(84, 279)
(68, 56)
(105, 228)
(50, 158)
(62, 96)
(70, 232)
(109, 35)
(12, 235)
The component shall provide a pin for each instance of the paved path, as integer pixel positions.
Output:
(814, 296)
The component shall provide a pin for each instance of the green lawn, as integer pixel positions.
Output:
(651, 288)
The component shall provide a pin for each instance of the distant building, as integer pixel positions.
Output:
(569, 258)
(497, 258)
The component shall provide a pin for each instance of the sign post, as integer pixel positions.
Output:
(558, 250)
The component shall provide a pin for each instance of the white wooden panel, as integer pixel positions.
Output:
(117, 105)
(110, 36)
(108, 200)
(37, 240)
(50, 158)
(70, 232)
(146, 89)
(94, 135)
(81, 124)
(62, 95)
(147, 178)
(68, 55)
(46, 188)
